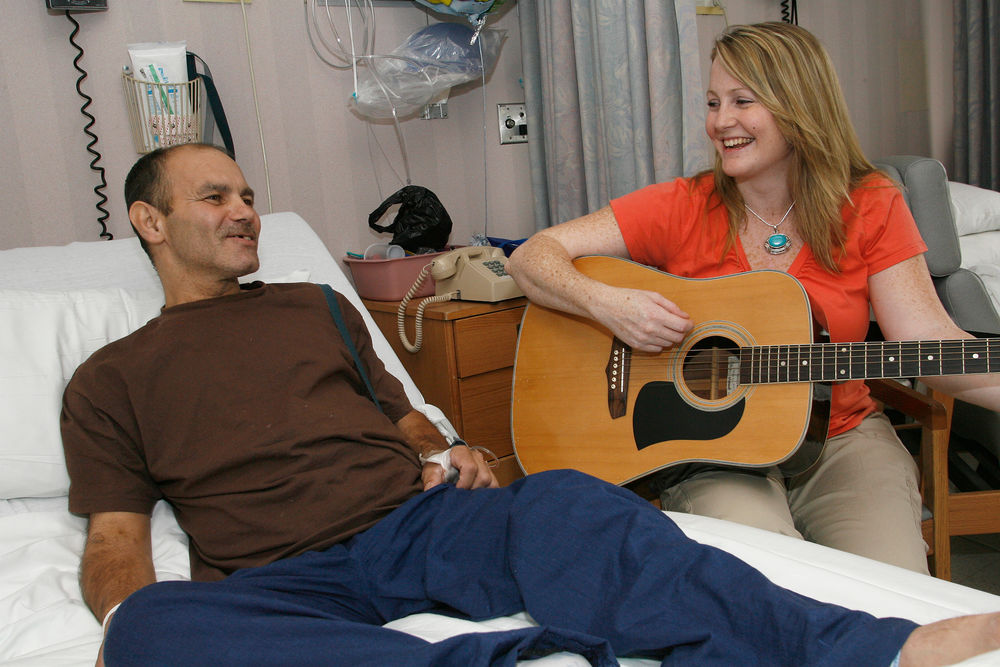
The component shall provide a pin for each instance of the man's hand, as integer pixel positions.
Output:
(426, 440)
(473, 472)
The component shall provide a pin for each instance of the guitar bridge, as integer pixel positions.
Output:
(616, 373)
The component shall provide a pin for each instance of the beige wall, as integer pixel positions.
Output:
(318, 151)
(894, 59)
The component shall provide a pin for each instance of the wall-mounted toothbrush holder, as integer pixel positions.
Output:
(163, 114)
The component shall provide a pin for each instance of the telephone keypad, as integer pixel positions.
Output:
(496, 266)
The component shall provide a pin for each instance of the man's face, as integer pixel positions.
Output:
(211, 232)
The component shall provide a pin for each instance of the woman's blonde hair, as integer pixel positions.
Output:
(791, 75)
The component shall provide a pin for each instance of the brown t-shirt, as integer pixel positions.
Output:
(247, 414)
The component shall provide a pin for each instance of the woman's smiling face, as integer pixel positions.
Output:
(744, 133)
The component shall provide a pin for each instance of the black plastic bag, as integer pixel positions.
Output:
(421, 224)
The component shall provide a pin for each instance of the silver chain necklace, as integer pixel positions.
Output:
(777, 242)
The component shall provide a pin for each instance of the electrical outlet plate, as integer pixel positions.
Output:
(513, 123)
(78, 5)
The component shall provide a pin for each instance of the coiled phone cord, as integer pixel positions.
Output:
(418, 340)
(98, 189)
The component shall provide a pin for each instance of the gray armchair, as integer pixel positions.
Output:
(966, 297)
(963, 293)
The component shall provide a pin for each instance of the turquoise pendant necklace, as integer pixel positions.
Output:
(777, 242)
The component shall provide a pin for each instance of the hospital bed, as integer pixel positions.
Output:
(59, 304)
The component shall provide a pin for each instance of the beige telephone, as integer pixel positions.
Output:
(472, 273)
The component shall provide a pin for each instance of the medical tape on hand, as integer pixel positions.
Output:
(443, 459)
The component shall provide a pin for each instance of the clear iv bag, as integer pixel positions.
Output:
(431, 61)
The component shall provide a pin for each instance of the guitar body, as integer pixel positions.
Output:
(583, 400)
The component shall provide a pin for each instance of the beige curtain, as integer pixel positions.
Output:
(614, 88)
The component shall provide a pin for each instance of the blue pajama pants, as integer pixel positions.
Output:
(602, 572)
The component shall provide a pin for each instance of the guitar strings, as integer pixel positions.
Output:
(831, 350)
(825, 355)
(765, 358)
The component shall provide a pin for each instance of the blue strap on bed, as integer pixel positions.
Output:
(338, 317)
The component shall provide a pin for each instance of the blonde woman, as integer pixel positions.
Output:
(790, 190)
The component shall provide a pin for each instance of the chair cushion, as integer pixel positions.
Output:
(926, 193)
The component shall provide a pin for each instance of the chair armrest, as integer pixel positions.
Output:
(912, 403)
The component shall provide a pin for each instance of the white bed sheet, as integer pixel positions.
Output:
(44, 622)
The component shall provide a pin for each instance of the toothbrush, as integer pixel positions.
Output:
(163, 94)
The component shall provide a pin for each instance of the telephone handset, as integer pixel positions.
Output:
(472, 273)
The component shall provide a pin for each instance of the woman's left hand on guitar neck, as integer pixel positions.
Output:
(907, 307)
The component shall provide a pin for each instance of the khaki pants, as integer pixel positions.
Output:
(861, 496)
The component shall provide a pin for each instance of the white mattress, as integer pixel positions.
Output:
(44, 622)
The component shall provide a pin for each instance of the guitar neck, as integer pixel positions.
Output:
(831, 362)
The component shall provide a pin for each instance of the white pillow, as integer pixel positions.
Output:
(44, 336)
(975, 209)
(979, 249)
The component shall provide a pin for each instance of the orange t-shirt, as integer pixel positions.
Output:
(680, 228)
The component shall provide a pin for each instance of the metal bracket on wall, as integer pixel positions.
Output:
(77, 5)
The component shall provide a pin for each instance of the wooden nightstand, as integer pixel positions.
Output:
(465, 367)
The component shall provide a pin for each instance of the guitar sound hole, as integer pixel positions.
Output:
(706, 367)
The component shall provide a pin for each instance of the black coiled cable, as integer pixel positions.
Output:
(98, 190)
(790, 11)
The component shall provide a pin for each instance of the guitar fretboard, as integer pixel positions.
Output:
(830, 362)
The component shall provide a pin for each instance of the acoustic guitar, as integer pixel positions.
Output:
(747, 387)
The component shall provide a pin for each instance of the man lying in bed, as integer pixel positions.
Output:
(315, 518)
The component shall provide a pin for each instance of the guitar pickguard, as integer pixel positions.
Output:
(661, 415)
